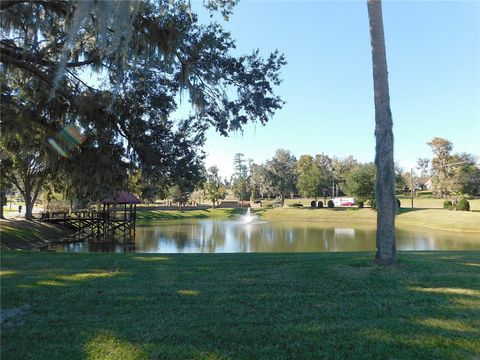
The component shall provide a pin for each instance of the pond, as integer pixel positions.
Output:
(227, 236)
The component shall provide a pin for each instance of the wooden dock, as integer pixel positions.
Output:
(115, 220)
(95, 225)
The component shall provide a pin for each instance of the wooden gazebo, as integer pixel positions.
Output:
(119, 213)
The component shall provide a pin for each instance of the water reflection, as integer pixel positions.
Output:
(216, 236)
(100, 246)
(436, 240)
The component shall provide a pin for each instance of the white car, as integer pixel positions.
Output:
(344, 201)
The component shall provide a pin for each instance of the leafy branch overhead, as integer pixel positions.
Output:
(117, 70)
(56, 42)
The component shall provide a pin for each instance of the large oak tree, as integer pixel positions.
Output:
(143, 56)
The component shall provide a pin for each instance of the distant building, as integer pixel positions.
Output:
(424, 183)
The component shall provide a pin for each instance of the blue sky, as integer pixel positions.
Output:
(433, 54)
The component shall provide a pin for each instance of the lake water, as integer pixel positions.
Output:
(227, 236)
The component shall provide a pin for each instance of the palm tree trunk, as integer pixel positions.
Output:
(385, 181)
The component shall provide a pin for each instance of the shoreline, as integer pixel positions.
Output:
(433, 219)
(34, 235)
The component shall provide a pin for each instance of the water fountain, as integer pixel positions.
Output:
(248, 217)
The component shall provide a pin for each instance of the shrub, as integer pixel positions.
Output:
(447, 204)
(463, 205)
(360, 204)
(330, 204)
(320, 204)
(372, 204)
(313, 204)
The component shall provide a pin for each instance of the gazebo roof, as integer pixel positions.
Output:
(122, 197)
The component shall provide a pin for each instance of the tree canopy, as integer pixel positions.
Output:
(117, 71)
(240, 180)
(313, 175)
(453, 173)
(280, 173)
(214, 189)
(360, 182)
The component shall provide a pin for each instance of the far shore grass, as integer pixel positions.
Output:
(240, 306)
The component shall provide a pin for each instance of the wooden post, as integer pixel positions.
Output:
(412, 190)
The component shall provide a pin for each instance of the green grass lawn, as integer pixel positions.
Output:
(351, 215)
(7, 210)
(240, 306)
(147, 216)
(441, 219)
(430, 218)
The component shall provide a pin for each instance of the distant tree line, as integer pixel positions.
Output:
(322, 176)
(318, 176)
(283, 176)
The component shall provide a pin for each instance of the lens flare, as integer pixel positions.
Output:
(57, 147)
(68, 138)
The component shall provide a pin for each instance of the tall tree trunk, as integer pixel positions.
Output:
(2, 198)
(30, 193)
(28, 209)
(385, 181)
(81, 204)
(27, 196)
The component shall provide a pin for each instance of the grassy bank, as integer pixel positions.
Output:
(429, 218)
(22, 234)
(441, 219)
(147, 216)
(26, 235)
(337, 305)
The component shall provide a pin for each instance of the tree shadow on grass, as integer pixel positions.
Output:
(164, 215)
(25, 234)
(190, 214)
(336, 305)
